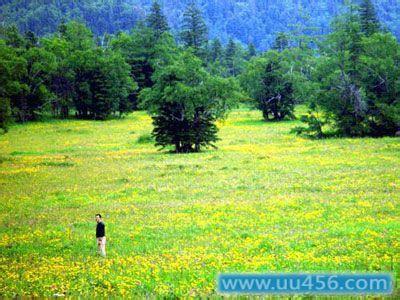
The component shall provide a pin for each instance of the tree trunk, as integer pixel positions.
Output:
(64, 111)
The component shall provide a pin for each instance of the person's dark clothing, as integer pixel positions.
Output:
(100, 230)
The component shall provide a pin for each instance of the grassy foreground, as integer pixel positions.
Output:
(265, 201)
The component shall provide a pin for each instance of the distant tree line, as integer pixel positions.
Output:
(247, 21)
(348, 78)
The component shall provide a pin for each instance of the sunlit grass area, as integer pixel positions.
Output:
(265, 201)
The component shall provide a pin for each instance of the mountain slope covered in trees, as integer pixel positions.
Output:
(256, 21)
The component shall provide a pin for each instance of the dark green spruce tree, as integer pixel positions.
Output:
(230, 55)
(216, 51)
(194, 32)
(251, 51)
(281, 42)
(31, 39)
(156, 20)
(369, 20)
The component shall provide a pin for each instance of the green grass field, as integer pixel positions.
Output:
(265, 201)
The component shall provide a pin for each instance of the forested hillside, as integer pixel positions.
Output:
(255, 21)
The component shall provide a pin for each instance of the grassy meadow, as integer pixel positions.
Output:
(265, 201)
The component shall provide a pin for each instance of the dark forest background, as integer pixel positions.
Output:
(247, 21)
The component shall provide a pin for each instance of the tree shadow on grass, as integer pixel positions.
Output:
(261, 122)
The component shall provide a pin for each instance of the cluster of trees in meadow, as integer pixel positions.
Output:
(354, 86)
(350, 78)
(65, 71)
(72, 73)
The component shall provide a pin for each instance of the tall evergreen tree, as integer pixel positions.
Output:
(62, 28)
(369, 20)
(31, 39)
(251, 51)
(216, 51)
(281, 42)
(157, 20)
(194, 32)
(230, 54)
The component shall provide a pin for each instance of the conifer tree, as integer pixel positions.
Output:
(369, 20)
(216, 51)
(157, 20)
(194, 32)
(31, 39)
(251, 51)
(230, 54)
(281, 42)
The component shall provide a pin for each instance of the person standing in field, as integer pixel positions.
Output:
(101, 235)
